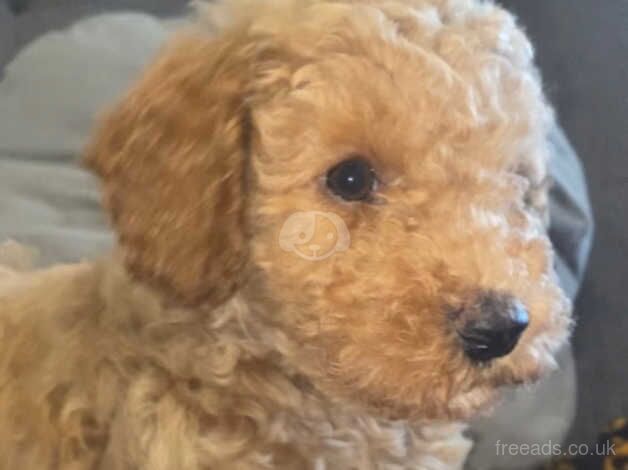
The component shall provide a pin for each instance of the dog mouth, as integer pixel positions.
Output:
(525, 365)
(530, 361)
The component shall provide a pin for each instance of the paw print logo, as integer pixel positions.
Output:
(314, 235)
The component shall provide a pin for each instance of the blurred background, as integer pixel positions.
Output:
(582, 50)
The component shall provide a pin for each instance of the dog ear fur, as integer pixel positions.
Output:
(171, 159)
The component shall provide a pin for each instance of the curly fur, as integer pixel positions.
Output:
(200, 343)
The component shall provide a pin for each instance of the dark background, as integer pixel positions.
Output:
(582, 48)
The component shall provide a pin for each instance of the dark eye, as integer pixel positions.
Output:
(352, 179)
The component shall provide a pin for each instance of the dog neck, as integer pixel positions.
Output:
(229, 362)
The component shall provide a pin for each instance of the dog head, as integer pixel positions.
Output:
(360, 172)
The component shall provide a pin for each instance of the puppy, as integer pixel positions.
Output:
(332, 250)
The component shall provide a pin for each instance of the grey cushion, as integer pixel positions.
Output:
(571, 228)
(49, 98)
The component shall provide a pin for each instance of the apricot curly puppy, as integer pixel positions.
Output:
(216, 337)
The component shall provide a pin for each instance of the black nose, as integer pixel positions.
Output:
(494, 327)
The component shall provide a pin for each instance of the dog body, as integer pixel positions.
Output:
(414, 133)
(137, 385)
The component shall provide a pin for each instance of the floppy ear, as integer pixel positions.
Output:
(171, 158)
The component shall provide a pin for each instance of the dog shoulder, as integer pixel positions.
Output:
(45, 301)
(45, 350)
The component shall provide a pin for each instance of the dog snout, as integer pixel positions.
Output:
(492, 326)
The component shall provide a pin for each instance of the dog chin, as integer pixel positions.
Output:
(525, 368)
(481, 399)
